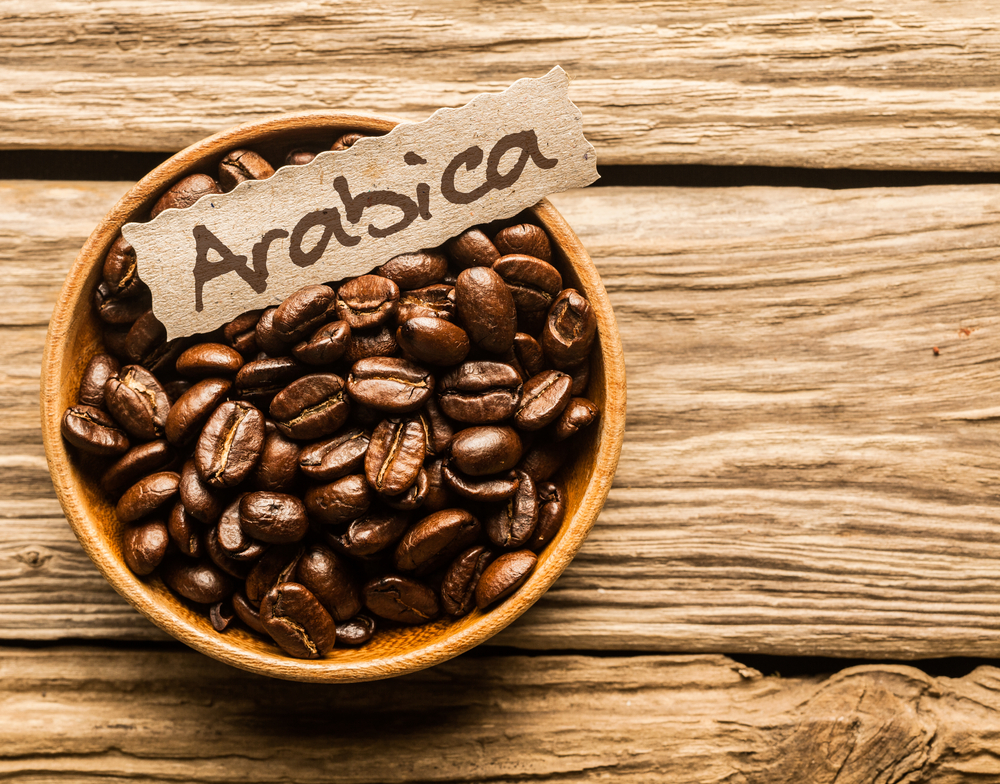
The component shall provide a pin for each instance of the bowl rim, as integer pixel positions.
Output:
(62, 326)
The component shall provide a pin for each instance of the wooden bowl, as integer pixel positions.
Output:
(74, 336)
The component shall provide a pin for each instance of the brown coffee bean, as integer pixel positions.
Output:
(230, 444)
(543, 460)
(209, 359)
(436, 301)
(524, 238)
(478, 451)
(435, 540)
(367, 301)
(311, 407)
(335, 457)
(278, 467)
(119, 272)
(581, 378)
(241, 333)
(100, 368)
(472, 248)
(140, 460)
(413, 497)
(369, 343)
(265, 336)
(438, 428)
(91, 430)
(193, 408)
(415, 270)
(147, 495)
(356, 631)
(332, 580)
(458, 589)
(543, 399)
(137, 401)
(395, 455)
(480, 392)
(433, 340)
(221, 615)
(120, 310)
(184, 531)
(229, 529)
(114, 341)
(275, 518)
(198, 581)
(339, 501)
(326, 345)
(303, 312)
(199, 500)
(371, 534)
(401, 599)
(262, 379)
(390, 384)
(237, 562)
(533, 283)
(511, 526)
(347, 140)
(439, 495)
(551, 513)
(526, 356)
(570, 329)
(185, 193)
(242, 165)
(297, 621)
(277, 565)
(247, 613)
(490, 489)
(578, 414)
(485, 307)
(145, 339)
(175, 389)
(301, 156)
(144, 546)
(504, 576)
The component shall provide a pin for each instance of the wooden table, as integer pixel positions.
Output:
(811, 463)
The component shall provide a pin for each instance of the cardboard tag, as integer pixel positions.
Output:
(347, 212)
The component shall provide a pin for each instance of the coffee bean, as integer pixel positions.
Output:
(241, 333)
(262, 379)
(119, 271)
(347, 140)
(339, 501)
(493, 488)
(581, 378)
(277, 566)
(415, 270)
(478, 451)
(297, 621)
(184, 531)
(236, 563)
(413, 497)
(526, 356)
(247, 613)
(371, 534)
(145, 339)
(120, 310)
(199, 500)
(367, 301)
(543, 460)
(433, 340)
(356, 631)
(325, 346)
(303, 312)
(209, 359)
(174, 390)
(438, 428)
(332, 580)
(335, 457)
(480, 392)
(551, 513)
(390, 384)
(524, 238)
(300, 156)
(395, 455)
(472, 248)
(147, 495)
(185, 193)
(136, 463)
(543, 399)
(137, 401)
(190, 412)
(435, 301)
(435, 540)
(144, 546)
(275, 518)
(578, 414)
(311, 407)
(439, 495)
(100, 368)
(570, 330)
(278, 467)
(242, 165)
(511, 526)
(220, 615)
(230, 444)
(266, 337)
(199, 581)
(485, 307)
(458, 589)
(533, 283)
(504, 576)
(369, 343)
(401, 599)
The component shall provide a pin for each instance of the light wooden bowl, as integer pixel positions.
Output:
(74, 336)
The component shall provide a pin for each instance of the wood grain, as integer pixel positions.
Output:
(801, 474)
(883, 85)
(77, 713)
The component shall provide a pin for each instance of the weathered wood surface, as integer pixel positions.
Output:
(801, 474)
(882, 85)
(81, 713)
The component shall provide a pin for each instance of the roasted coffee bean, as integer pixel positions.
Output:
(199, 500)
(439, 429)
(278, 467)
(570, 330)
(526, 356)
(311, 407)
(297, 621)
(262, 379)
(511, 526)
(480, 392)
(533, 283)
(140, 460)
(118, 310)
(339, 501)
(236, 563)
(581, 378)
(435, 301)
(230, 444)
(543, 460)
(242, 165)
(413, 497)
(335, 457)
(193, 408)
(524, 238)
(209, 359)
(220, 615)
(185, 193)
(100, 368)
(275, 518)
(114, 341)
(367, 301)
(395, 455)
(578, 414)
(401, 599)
(458, 589)
(326, 345)
(277, 565)
(485, 307)
(415, 270)
(91, 430)
(347, 140)
(137, 401)
(332, 580)
(369, 343)
(147, 495)
(184, 531)
(198, 581)
(439, 495)
(479, 451)
(472, 248)
(390, 384)
(144, 546)
(175, 389)
(551, 513)
(356, 631)
(492, 488)
(303, 312)
(373, 533)
(433, 340)
(241, 333)
(119, 272)
(435, 540)
(229, 529)
(162, 360)
(145, 337)
(247, 613)
(301, 156)
(504, 576)
(543, 399)
(266, 337)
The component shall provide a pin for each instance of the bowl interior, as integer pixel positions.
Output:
(75, 335)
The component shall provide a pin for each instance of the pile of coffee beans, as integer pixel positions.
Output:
(378, 450)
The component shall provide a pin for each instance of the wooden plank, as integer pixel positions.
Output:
(890, 85)
(801, 475)
(77, 713)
